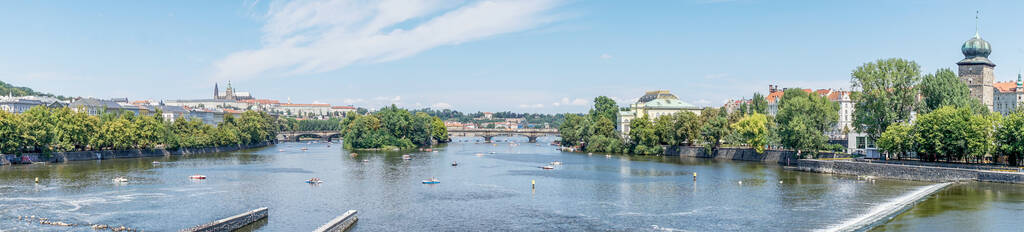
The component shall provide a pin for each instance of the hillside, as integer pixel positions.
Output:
(17, 91)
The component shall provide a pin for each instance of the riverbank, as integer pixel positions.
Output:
(907, 172)
(58, 157)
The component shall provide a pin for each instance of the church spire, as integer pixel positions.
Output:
(977, 15)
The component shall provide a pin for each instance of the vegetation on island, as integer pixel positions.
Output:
(392, 128)
(46, 130)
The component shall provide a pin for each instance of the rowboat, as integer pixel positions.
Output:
(556, 162)
(156, 162)
(197, 177)
(432, 181)
(406, 157)
(548, 167)
(455, 163)
(314, 181)
(120, 179)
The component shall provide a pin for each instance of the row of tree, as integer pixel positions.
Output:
(392, 128)
(802, 119)
(45, 130)
(292, 124)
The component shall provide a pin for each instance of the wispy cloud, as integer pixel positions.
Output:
(441, 105)
(605, 56)
(304, 37)
(535, 106)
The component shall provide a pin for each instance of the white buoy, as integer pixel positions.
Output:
(740, 182)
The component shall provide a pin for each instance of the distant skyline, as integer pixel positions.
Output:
(546, 56)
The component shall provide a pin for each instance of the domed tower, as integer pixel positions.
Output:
(976, 70)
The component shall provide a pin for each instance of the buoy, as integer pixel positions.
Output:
(37, 179)
(694, 176)
(740, 182)
(533, 184)
(780, 182)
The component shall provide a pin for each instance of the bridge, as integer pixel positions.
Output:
(294, 135)
(487, 134)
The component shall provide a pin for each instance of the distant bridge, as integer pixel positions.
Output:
(487, 134)
(294, 135)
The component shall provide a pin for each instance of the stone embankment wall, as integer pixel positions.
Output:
(340, 223)
(231, 223)
(744, 154)
(907, 172)
(114, 154)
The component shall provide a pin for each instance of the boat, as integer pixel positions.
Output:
(479, 154)
(366, 161)
(314, 180)
(406, 157)
(432, 180)
(197, 177)
(121, 179)
(304, 148)
(455, 163)
(492, 152)
(607, 156)
(556, 162)
(428, 149)
(548, 167)
(156, 162)
(280, 150)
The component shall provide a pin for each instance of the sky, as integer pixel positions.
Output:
(546, 56)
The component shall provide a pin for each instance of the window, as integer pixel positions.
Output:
(860, 142)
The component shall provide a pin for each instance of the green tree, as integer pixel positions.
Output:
(758, 104)
(944, 88)
(753, 130)
(714, 127)
(816, 113)
(688, 127)
(953, 134)
(10, 131)
(37, 128)
(1009, 137)
(886, 95)
(897, 140)
(605, 107)
(664, 127)
(572, 130)
(643, 136)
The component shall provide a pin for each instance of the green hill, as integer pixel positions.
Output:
(17, 91)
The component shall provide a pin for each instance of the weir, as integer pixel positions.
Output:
(882, 213)
(231, 223)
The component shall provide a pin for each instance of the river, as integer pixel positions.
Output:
(489, 190)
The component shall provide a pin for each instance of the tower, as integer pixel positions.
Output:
(216, 92)
(976, 70)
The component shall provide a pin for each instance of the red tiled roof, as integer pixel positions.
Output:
(296, 105)
(342, 107)
(232, 111)
(261, 101)
(1005, 87)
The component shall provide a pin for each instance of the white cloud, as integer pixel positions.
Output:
(441, 105)
(388, 99)
(350, 101)
(531, 106)
(605, 56)
(316, 36)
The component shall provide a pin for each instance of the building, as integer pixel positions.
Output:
(341, 111)
(208, 103)
(17, 105)
(305, 110)
(976, 70)
(1008, 96)
(230, 93)
(94, 106)
(654, 104)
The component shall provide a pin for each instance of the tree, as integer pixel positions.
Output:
(758, 104)
(572, 130)
(687, 126)
(886, 94)
(804, 117)
(605, 107)
(37, 128)
(10, 132)
(753, 130)
(953, 134)
(1010, 138)
(643, 136)
(944, 88)
(664, 127)
(897, 140)
(714, 127)
(439, 130)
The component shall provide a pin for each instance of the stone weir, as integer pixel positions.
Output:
(887, 210)
(907, 172)
(115, 154)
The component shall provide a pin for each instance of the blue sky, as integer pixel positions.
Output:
(527, 56)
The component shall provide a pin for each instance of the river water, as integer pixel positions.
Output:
(490, 190)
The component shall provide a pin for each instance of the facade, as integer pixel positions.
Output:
(208, 103)
(976, 70)
(17, 105)
(654, 104)
(305, 110)
(1008, 96)
(94, 106)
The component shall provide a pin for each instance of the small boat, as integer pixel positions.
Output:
(314, 180)
(548, 167)
(434, 151)
(304, 149)
(455, 163)
(156, 162)
(366, 161)
(280, 150)
(197, 177)
(556, 162)
(428, 149)
(432, 181)
(492, 152)
(406, 157)
(607, 156)
(121, 179)
(479, 154)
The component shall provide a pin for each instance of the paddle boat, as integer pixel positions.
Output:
(314, 180)
(121, 179)
(366, 161)
(156, 162)
(455, 163)
(304, 149)
(548, 167)
(197, 177)
(607, 156)
(280, 150)
(556, 162)
(406, 157)
(432, 180)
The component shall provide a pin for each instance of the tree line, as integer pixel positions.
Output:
(392, 128)
(292, 124)
(45, 130)
(950, 125)
(800, 123)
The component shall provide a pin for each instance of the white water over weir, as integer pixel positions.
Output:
(883, 212)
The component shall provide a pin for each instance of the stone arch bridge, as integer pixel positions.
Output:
(487, 134)
(295, 135)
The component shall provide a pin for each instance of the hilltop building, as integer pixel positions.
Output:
(654, 104)
(230, 93)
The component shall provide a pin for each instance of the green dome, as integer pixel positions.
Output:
(976, 47)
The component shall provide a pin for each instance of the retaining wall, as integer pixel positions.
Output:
(114, 154)
(907, 172)
(744, 154)
(340, 223)
(231, 223)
